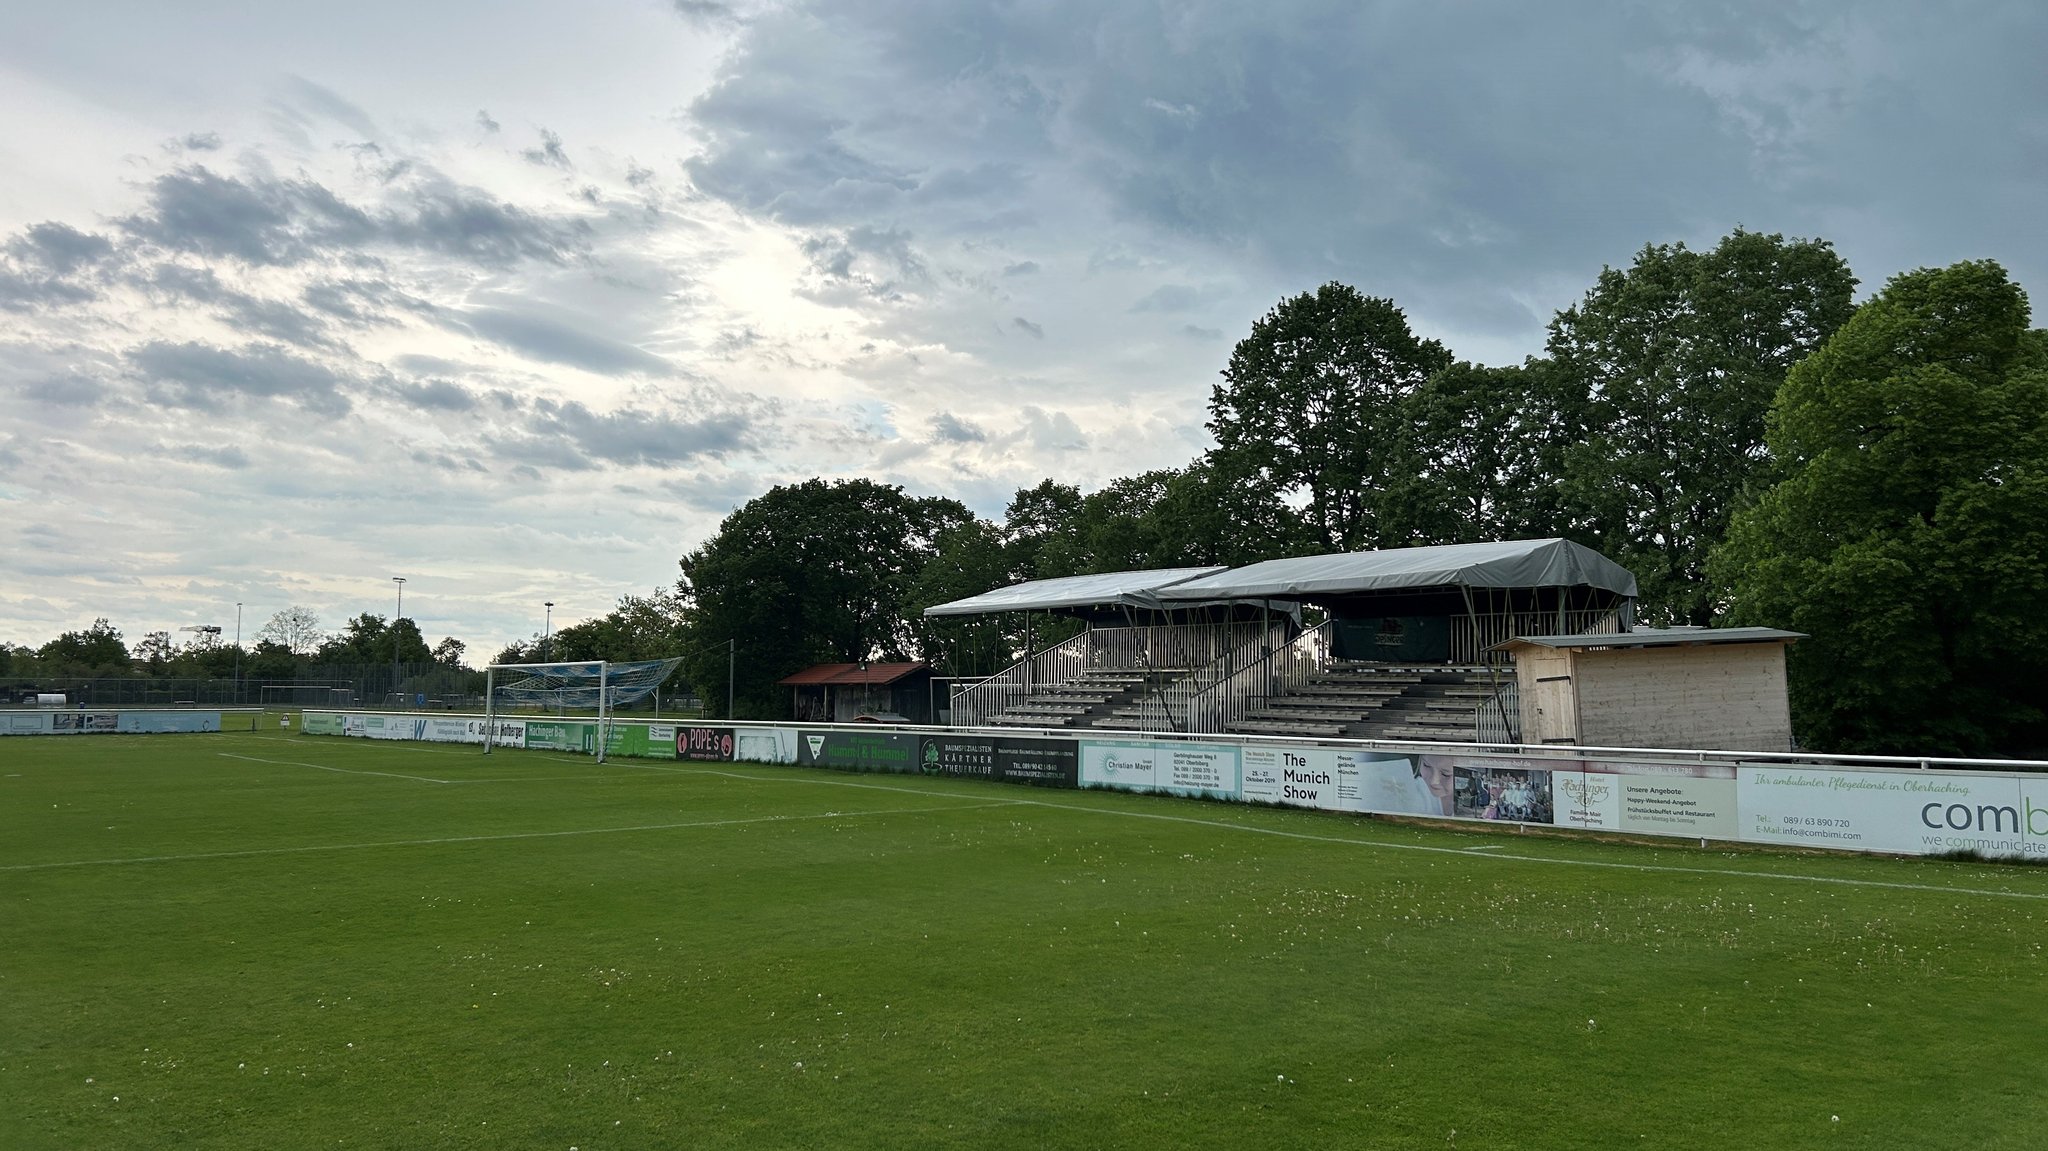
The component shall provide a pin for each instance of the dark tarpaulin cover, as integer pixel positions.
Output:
(1508, 564)
(1118, 589)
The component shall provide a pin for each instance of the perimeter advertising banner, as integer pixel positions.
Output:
(1036, 762)
(1684, 799)
(764, 745)
(633, 740)
(554, 735)
(707, 743)
(102, 723)
(1175, 768)
(858, 750)
(1912, 812)
(320, 723)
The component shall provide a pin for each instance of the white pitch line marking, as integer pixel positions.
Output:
(439, 841)
(337, 770)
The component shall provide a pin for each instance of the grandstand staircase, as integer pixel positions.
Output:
(1115, 698)
(1358, 700)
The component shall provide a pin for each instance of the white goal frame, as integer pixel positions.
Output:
(604, 708)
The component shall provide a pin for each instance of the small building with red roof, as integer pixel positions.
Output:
(861, 692)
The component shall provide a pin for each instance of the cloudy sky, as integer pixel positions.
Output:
(517, 300)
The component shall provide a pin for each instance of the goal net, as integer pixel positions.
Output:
(594, 688)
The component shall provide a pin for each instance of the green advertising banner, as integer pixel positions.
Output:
(643, 741)
(555, 736)
(320, 723)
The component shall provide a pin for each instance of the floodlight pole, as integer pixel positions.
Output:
(238, 653)
(400, 581)
(547, 629)
(732, 648)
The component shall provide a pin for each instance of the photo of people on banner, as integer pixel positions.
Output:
(1515, 795)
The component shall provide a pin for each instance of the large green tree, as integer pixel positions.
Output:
(97, 650)
(809, 573)
(1484, 451)
(1309, 409)
(1909, 532)
(1673, 364)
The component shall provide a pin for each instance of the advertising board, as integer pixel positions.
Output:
(1007, 759)
(1910, 812)
(715, 744)
(1172, 767)
(858, 750)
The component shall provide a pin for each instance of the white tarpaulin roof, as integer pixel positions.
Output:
(1509, 564)
(1110, 589)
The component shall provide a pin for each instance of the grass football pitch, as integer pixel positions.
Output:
(255, 941)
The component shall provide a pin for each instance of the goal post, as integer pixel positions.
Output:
(593, 687)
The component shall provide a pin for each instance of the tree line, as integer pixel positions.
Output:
(291, 645)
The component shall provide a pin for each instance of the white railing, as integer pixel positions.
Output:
(1168, 706)
(1169, 646)
(975, 704)
(1499, 720)
(1164, 648)
(1285, 670)
(1472, 635)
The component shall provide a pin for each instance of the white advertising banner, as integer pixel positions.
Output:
(1298, 776)
(1174, 768)
(764, 745)
(1696, 800)
(1911, 812)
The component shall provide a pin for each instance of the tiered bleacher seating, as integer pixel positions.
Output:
(1433, 702)
(1093, 695)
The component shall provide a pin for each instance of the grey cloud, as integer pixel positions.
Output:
(704, 12)
(636, 436)
(275, 319)
(475, 226)
(449, 463)
(361, 303)
(485, 122)
(196, 142)
(1027, 327)
(324, 101)
(201, 285)
(1021, 268)
(1463, 166)
(1201, 333)
(951, 429)
(209, 378)
(549, 153)
(72, 390)
(60, 247)
(429, 365)
(20, 293)
(554, 338)
(435, 395)
(1052, 431)
(263, 221)
(1176, 298)
(229, 457)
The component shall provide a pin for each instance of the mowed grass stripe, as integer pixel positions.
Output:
(997, 968)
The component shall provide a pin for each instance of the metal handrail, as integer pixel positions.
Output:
(1286, 668)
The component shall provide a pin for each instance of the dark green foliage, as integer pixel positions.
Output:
(1670, 367)
(1909, 534)
(369, 639)
(1309, 412)
(97, 650)
(810, 573)
(1484, 452)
